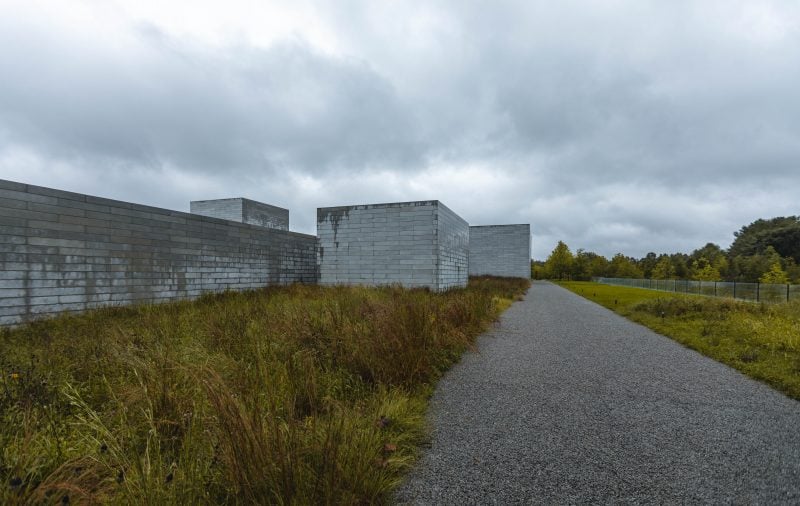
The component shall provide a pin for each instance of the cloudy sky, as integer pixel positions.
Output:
(614, 125)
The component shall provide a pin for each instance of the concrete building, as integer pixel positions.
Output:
(243, 211)
(500, 250)
(415, 244)
(64, 251)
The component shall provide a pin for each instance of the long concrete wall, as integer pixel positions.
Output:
(500, 250)
(415, 244)
(67, 251)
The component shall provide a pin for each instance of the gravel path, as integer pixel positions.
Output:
(566, 402)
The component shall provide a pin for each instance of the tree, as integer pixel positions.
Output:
(751, 268)
(580, 266)
(722, 266)
(648, 263)
(782, 233)
(624, 267)
(704, 271)
(587, 265)
(663, 269)
(792, 270)
(710, 252)
(598, 265)
(538, 269)
(680, 266)
(559, 263)
(775, 275)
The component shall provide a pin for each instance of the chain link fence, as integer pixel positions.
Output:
(756, 292)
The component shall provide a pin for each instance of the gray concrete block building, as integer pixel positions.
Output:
(63, 251)
(243, 211)
(500, 250)
(416, 244)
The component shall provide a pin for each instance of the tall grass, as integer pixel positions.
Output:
(760, 340)
(286, 395)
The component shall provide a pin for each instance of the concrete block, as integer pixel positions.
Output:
(500, 250)
(373, 244)
(243, 211)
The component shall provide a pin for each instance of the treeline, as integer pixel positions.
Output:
(766, 251)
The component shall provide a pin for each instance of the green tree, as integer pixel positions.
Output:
(792, 270)
(559, 263)
(710, 252)
(782, 233)
(624, 267)
(775, 274)
(598, 265)
(679, 265)
(663, 269)
(648, 263)
(702, 270)
(538, 269)
(588, 264)
(722, 266)
(580, 266)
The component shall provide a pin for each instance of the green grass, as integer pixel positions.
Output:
(760, 340)
(286, 395)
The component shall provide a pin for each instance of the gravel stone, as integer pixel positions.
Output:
(565, 402)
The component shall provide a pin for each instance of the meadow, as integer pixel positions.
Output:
(285, 395)
(760, 340)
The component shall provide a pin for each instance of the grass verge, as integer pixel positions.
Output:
(760, 340)
(286, 395)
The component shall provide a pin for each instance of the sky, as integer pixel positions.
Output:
(614, 125)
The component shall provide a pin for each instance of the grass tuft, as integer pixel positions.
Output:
(286, 395)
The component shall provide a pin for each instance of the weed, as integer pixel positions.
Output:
(296, 394)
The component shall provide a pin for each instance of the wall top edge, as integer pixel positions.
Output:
(505, 225)
(230, 199)
(120, 204)
(264, 204)
(413, 203)
(447, 209)
(239, 199)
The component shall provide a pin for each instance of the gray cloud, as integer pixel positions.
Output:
(634, 127)
(239, 109)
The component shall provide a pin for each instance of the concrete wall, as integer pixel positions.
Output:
(382, 244)
(453, 241)
(244, 211)
(500, 250)
(224, 209)
(68, 251)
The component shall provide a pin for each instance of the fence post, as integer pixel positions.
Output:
(758, 292)
(715, 288)
(788, 286)
(734, 289)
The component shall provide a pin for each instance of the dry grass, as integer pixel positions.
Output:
(290, 395)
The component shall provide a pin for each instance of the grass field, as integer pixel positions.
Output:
(287, 395)
(760, 340)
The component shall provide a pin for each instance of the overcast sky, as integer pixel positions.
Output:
(616, 126)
